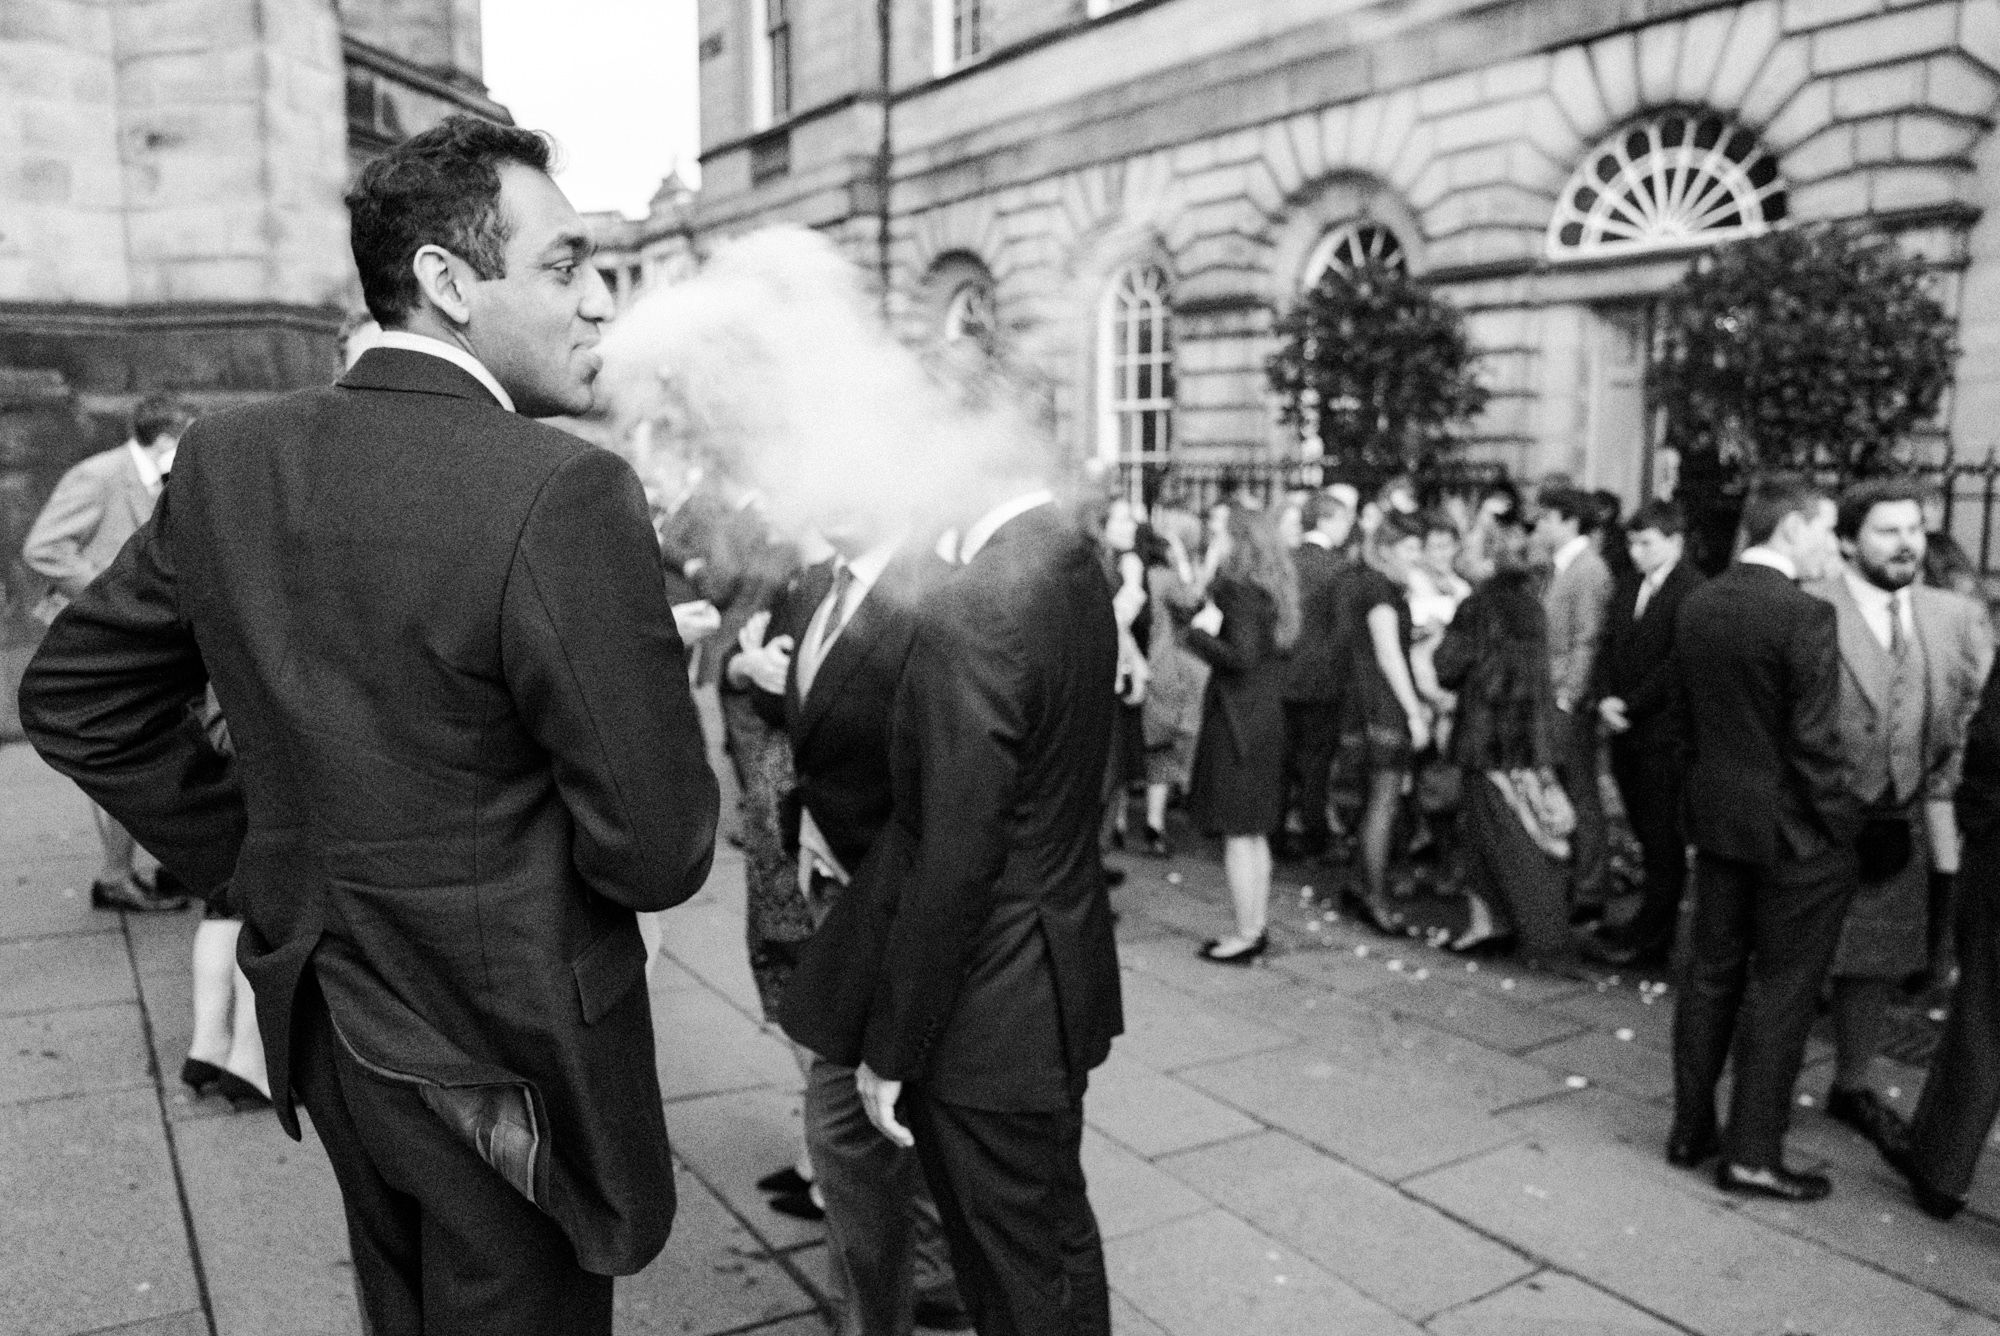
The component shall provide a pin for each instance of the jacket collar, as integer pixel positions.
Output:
(410, 372)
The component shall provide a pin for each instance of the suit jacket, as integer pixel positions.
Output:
(1576, 600)
(1756, 713)
(1313, 674)
(840, 730)
(974, 952)
(1958, 649)
(95, 507)
(465, 754)
(1632, 663)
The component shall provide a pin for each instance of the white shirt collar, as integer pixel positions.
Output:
(1659, 576)
(989, 524)
(1777, 561)
(1318, 539)
(152, 471)
(450, 352)
(1877, 604)
(1569, 552)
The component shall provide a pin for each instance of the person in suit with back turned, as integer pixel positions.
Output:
(96, 506)
(1312, 677)
(828, 671)
(1756, 682)
(970, 974)
(465, 752)
(1633, 688)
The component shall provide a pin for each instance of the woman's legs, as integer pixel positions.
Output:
(246, 1045)
(1378, 829)
(214, 990)
(1246, 862)
(1156, 807)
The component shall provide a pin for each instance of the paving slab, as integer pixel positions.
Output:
(91, 1231)
(1128, 1193)
(1617, 1008)
(1332, 969)
(268, 1220)
(732, 1140)
(707, 1046)
(1165, 1029)
(1402, 1253)
(1550, 1304)
(49, 973)
(1173, 962)
(1154, 1114)
(1480, 1017)
(1129, 1321)
(46, 897)
(59, 1053)
(1626, 1066)
(706, 936)
(1212, 1274)
(714, 1276)
(1514, 983)
(190, 1323)
(1700, 1264)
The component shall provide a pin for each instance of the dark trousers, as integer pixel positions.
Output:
(1312, 736)
(1649, 781)
(442, 1244)
(1009, 1186)
(1576, 758)
(1778, 925)
(884, 1238)
(1525, 881)
(1962, 1094)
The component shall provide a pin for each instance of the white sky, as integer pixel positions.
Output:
(612, 80)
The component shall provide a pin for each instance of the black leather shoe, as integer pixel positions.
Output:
(1113, 876)
(940, 1315)
(1608, 948)
(1212, 951)
(1869, 1116)
(1780, 1183)
(787, 1179)
(133, 898)
(242, 1096)
(200, 1076)
(1157, 845)
(798, 1205)
(1690, 1150)
(1933, 1202)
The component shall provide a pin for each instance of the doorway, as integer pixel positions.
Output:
(1621, 433)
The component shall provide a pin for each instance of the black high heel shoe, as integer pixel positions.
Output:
(200, 1077)
(1156, 843)
(1212, 952)
(1383, 919)
(1492, 944)
(242, 1096)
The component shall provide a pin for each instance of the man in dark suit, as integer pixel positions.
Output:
(1634, 689)
(970, 973)
(1312, 683)
(465, 751)
(1962, 1092)
(852, 622)
(1756, 681)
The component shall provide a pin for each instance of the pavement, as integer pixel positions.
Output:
(1356, 1136)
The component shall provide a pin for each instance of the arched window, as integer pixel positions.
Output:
(1679, 179)
(1352, 245)
(1136, 371)
(971, 316)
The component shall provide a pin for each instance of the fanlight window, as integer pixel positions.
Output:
(1136, 370)
(971, 317)
(1353, 245)
(1681, 179)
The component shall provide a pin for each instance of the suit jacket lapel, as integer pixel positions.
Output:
(1867, 662)
(849, 649)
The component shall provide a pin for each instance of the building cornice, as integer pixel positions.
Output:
(459, 89)
(99, 318)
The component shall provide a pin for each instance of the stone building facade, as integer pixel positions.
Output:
(1128, 194)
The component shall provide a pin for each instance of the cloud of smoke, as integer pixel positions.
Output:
(774, 363)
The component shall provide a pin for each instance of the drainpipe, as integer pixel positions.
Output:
(884, 159)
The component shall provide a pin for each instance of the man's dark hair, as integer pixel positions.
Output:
(1573, 504)
(1398, 525)
(1857, 501)
(1775, 497)
(160, 414)
(439, 188)
(1436, 521)
(1663, 517)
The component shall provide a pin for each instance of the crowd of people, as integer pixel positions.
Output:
(402, 684)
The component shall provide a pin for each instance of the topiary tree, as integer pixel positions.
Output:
(1378, 366)
(1816, 348)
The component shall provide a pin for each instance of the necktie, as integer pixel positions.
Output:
(1645, 597)
(829, 627)
(1899, 643)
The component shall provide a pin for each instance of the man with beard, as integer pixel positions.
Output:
(1912, 661)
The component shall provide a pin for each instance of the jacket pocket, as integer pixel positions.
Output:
(607, 970)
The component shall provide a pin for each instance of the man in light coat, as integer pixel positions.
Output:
(1577, 595)
(97, 505)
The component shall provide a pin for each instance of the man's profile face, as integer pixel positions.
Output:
(1553, 529)
(1816, 553)
(1652, 549)
(1889, 549)
(536, 327)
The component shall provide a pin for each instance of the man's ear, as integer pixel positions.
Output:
(443, 278)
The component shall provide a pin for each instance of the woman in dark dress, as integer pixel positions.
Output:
(1251, 620)
(1514, 821)
(1387, 722)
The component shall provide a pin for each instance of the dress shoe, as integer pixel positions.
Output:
(941, 1315)
(1212, 951)
(1869, 1116)
(1780, 1183)
(242, 1096)
(1690, 1150)
(200, 1076)
(1156, 845)
(1608, 948)
(798, 1205)
(1488, 945)
(787, 1179)
(1113, 876)
(1933, 1202)
(134, 898)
